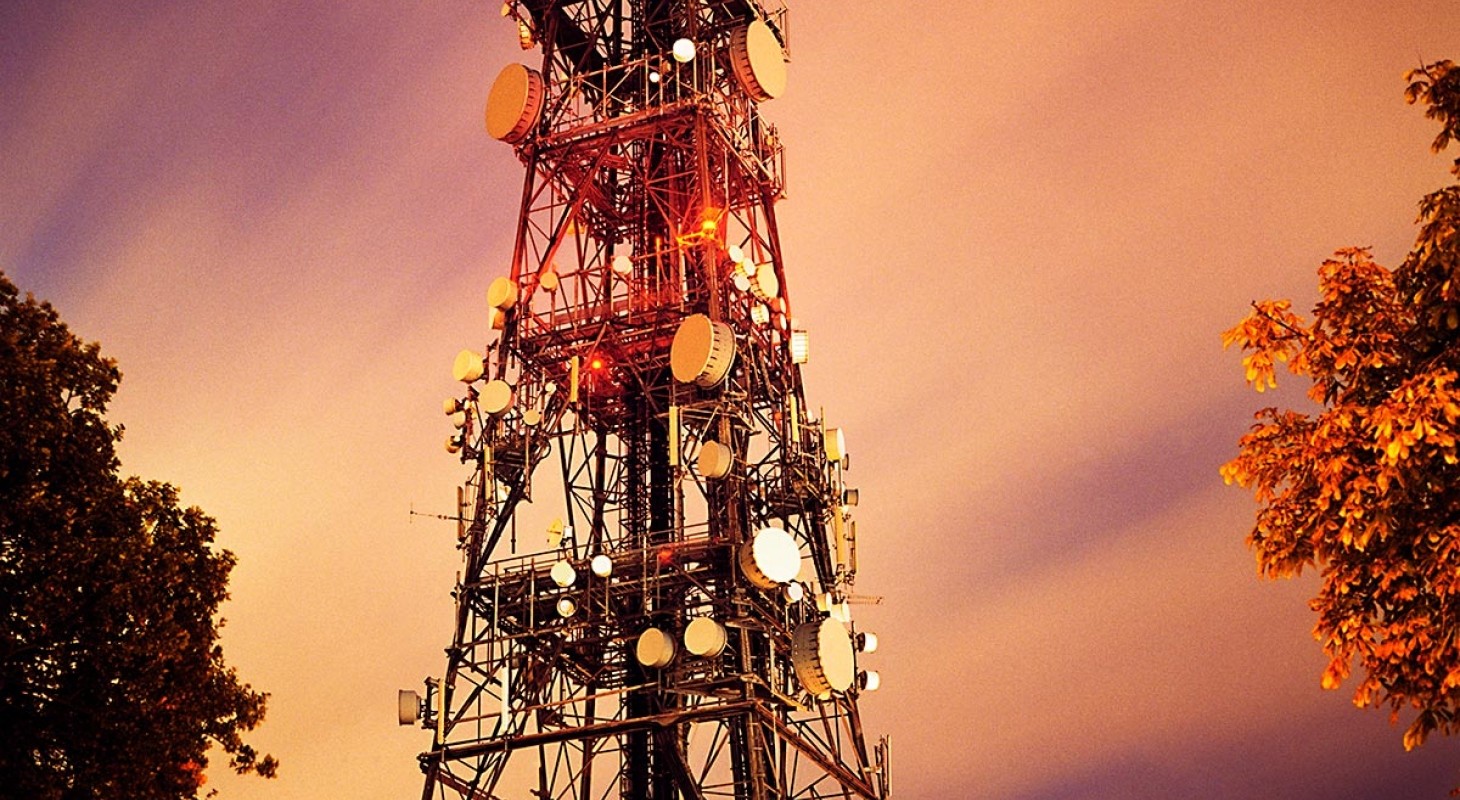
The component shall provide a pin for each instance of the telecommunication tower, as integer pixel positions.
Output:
(678, 626)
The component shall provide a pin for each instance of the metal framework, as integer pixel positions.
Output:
(648, 199)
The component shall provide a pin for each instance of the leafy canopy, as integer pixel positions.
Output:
(112, 682)
(1367, 488)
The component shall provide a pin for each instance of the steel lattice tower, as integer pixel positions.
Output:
(682, 629)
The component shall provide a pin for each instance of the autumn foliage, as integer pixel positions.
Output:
(1366, 486)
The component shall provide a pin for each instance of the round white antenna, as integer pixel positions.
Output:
(408, 706)
(821, 652)
(655, 648)
(836, 444)
(704, 637)
(867, 642)
(467, 367)
(684, 50)
(770, 558)
(601, 565)
(563, 574)
(714, 460)
(496, 397)
(764, 283)
(502, 293)
(800, 347)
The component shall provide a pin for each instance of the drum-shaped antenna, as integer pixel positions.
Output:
(702, 351)
(563, 574)
(467, 367)
(757, 61)
(408, 706)
(515, 103)
(821, 652)
(502, 293)
(764, 283)
(714, 460)
(770, 558)
(601, 565)
(836, 444)
(496, 397)
(655, 648)
(704, 637)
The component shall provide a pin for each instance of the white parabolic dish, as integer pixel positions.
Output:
(822, 654)
(771, 558)
(836, 444)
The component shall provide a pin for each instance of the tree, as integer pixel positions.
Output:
(1366, 487)
(112, 682)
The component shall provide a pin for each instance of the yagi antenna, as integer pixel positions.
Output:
(459, 517)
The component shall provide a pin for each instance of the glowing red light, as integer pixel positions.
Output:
(596, 363)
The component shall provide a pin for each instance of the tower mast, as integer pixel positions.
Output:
(680, 626)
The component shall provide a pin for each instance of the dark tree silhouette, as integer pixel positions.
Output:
(112, 682)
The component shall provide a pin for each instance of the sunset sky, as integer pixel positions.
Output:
(1015, 231)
